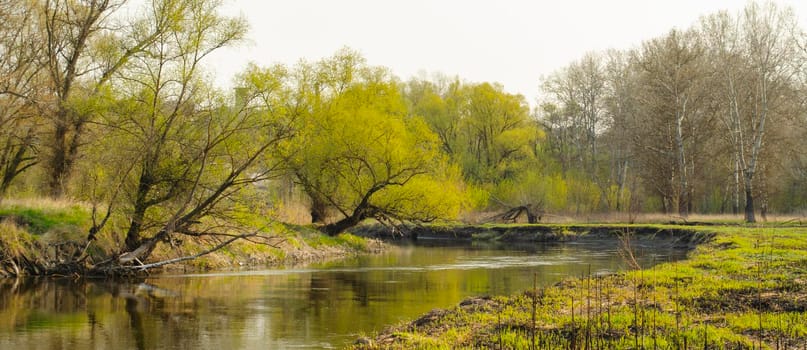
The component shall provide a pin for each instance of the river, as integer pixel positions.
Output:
(325, 305)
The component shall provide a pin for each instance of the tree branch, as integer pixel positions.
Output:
(144, 267)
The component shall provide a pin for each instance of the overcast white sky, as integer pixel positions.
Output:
(513, 42)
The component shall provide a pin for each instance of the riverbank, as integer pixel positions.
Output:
(36, 236)
(744, 287)
(539, 233)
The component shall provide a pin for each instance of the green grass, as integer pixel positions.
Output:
(35, 231)
(745, 288)
(42, 219)
(28, 227)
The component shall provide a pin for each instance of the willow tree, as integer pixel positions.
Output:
(359, 152)
(497, 132)
(485, 130)
(177, 153)
(439, 102)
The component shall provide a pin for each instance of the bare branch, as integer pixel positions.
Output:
(221, 245)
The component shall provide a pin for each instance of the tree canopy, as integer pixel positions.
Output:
(360, 153)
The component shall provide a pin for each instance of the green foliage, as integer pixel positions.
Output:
(477, 198)
(357, 150)
(548, 193)
(350, 241)
(355, 242)
(176, 152)
(584, 195)
(616, 195)
(487, 132)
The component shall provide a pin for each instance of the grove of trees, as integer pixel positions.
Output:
(709, 119)
(107, 102)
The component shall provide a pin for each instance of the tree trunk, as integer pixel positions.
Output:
(317, 216)
(621, 178)
(532, 218)
(735, 208)
(342, 225)
(763, 211)
(133, 234)
(18, 161)
(683, 186)
(318, 210)
(57, 164)
(749, 206)
(66, 141)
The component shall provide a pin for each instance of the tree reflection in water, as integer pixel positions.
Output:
(321, 306)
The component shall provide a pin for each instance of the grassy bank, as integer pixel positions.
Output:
(50, 231)
(744, 288)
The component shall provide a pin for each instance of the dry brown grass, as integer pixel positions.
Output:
(640, 218)
(43, 203)
(293, 213)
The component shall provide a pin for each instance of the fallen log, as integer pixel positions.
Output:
(512, 215)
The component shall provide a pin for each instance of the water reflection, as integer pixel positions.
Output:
(320, 306)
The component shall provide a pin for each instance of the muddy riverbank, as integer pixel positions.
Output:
(532, 233)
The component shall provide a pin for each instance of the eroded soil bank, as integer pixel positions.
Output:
(527, 233)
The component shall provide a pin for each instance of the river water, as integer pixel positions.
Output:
(320, 306)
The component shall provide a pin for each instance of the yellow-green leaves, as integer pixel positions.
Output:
(358, 151)
(482, 127)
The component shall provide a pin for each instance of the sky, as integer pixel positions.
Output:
(512, 42)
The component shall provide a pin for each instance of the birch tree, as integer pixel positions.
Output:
(671, 74)
(621, 109)
(753, 55)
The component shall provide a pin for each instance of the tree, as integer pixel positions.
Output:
(575, 115)
(621, 108)
(84, 44)
(19, 92)
(497, 133)
(360, 154)
(579, 92)
(178, 154)
(439, 104)
(672, 114)
(752, 55)
(485, 130)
